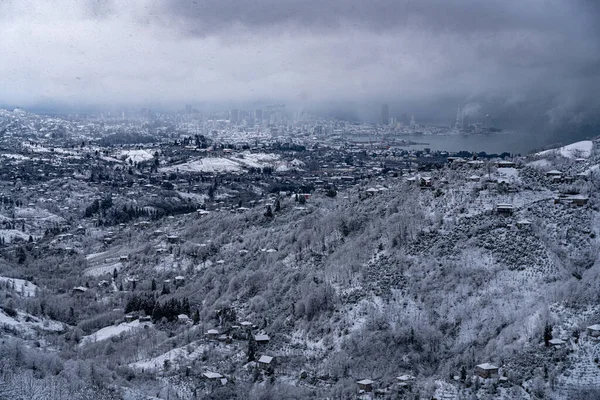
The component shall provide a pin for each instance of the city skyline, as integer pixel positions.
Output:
(156, 52)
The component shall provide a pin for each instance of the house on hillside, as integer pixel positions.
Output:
(265, 362)
(523, 224)
(476, 163)
(556, 342)
(78, 290)
(486, 370)
(212, 333)
(183, 319)
(179, 280)
(172, 238)
(578, 200)
(426, 181)
(225, 338)
(405, 381)
(246, 324)
(365, 385)
(593, 330)
(504, 209)
(131, 317)
(261, 339)
(202, 212)
(554, 175)
(212, 376)
(505, 164)
(456, 161)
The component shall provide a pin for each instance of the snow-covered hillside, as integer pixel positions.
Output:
(581, 149)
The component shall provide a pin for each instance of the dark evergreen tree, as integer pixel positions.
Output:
(269, 212)
(252, 348)
(547, 334)
(463, 374)
(165, 289)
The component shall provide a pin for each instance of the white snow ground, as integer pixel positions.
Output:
(20, 286)
(113, 330)
(581, 149)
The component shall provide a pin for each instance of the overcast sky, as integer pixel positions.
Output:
(306, 51)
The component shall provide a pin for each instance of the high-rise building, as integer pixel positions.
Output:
(385, 114)
(258, 115)
(487, 123)
(234, 116)
(459, 119)
(404, 119)
(188, 108)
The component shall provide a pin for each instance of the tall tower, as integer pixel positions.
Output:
(385, 114)
(459, 119)
(404, 119)
(234, 116)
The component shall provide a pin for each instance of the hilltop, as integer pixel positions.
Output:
(198, 270)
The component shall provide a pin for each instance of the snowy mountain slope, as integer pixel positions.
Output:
(581, 149)
(425, 281)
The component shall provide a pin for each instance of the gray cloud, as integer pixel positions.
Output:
(542, 56)
(459, 16)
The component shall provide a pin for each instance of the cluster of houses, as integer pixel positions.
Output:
(403, 382)
(245, 328)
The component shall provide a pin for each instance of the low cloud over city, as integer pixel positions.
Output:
(543, 56)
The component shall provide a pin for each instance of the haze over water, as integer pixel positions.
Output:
(515, 143)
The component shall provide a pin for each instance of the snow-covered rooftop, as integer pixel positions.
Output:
(265, 359)
(487, 366)
(212, 375)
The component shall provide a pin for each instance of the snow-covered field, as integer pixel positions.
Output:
(114, 330)
(104, 269)
(26, 323)
(10, 234)
(542, 164)
(36, 214)
(21, 286)
(138, 155)
(14, 156)
(508, 175)
(103, 263)
(256, 160)
(205, 165)
(42, 149)
(176, 357)
(234, 163)
(581, 149)
(194, 196)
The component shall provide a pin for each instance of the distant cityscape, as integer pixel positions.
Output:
(278, 120)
